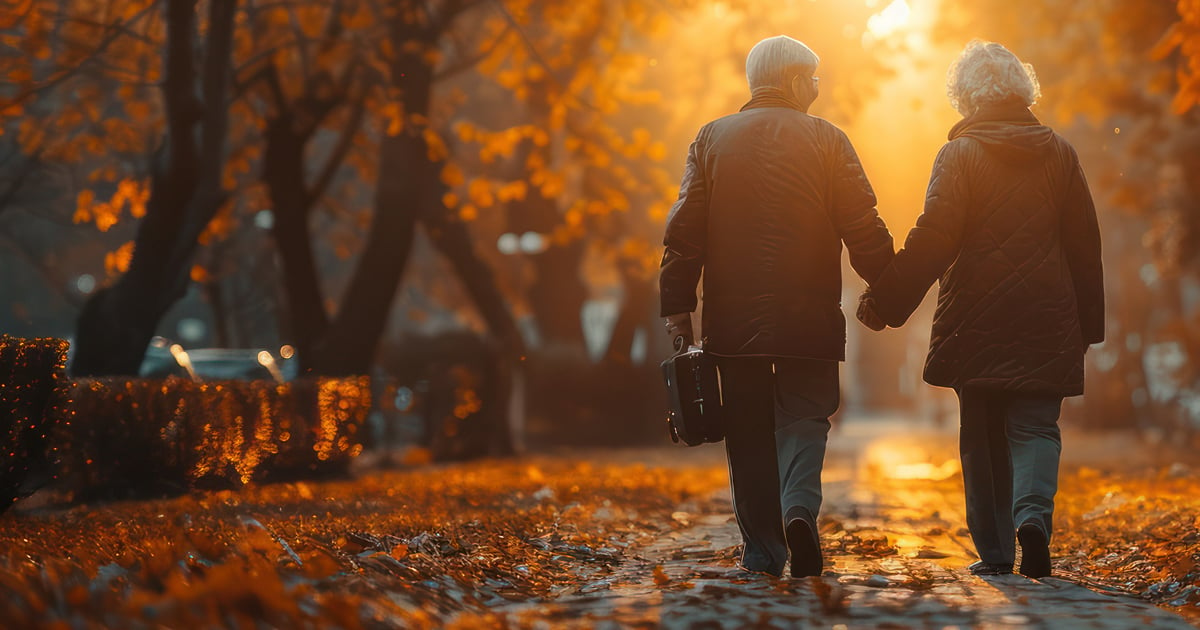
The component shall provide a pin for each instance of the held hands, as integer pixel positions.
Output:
(866, 313)
(680, 325)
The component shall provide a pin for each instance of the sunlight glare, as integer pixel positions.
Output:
(892, 18)
(892, 460)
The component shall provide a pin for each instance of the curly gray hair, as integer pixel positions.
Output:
(774, 61)
(987, 73)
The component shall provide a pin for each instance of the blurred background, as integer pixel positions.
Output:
(465, 199)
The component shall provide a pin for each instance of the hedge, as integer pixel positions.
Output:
(175, 433)
(32, 376)
(116, 437)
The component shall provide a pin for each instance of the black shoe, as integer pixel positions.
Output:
(987, 568)
(1035, 551)
(805, 546)
(740, 573)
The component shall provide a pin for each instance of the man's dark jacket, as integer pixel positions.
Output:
(768, 197)
(1010, 230)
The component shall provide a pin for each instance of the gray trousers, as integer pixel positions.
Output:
(776, 425)
(1010, 445)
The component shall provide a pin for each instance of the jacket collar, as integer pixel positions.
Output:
(1011, 112)
(771, 97)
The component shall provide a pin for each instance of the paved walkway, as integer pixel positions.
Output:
(895, 558)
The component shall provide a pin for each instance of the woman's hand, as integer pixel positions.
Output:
(866, 313)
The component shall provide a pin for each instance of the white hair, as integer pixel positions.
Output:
(987, 73)
(774, 61)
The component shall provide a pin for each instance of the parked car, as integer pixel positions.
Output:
(214, 364)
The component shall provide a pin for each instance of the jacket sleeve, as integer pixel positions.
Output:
(1081, 246)
(855, 217)
(686, 238)
(932, 245)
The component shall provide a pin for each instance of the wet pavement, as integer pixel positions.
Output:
(895, 547)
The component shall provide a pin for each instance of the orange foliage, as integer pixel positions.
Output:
(572, 113)
(223, 224)
(418, 548)
(1184, 38)
(117, 262)
(577, 81)
(568, 64)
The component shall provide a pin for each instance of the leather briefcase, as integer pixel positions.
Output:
(693, 396)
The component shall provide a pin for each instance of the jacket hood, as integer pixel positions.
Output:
(1006, 129)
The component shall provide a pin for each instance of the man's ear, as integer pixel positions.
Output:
(804, 89)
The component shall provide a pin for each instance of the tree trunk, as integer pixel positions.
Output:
(406, 174)
(1109, 401)
(222, 337)
(559, 290)
(283, 171)
(109, 339)
(452, 238)
(353, 336)
(558, 293)
(635, 311)
(116, 324)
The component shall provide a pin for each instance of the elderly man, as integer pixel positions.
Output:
(1010, 230)
(768, 197)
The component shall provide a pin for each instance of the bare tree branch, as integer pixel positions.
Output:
(451, 9)
(50, 277)
(241, 86)
(319, 107)
(333, 26)
(262, 55)
(282, 4)
(208, 195)
(179, 97)
(529, 45)
(101, 46)
(302, 44)
(276, 86)
(121, 28)
(29, 165)
(22, 17)
(216, 84)
(338, 155)
(463, 65)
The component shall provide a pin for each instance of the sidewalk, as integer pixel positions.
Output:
(637, 538)
(896, 554)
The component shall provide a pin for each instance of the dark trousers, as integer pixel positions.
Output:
(776, 425)
(1010, 446)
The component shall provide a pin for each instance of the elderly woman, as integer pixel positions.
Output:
(1009, 230)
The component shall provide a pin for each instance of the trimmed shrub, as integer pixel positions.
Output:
(575, 402)
(32, 371)
(131, 436)
(458, 392)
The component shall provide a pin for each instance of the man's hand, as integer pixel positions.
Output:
(680, 325)
(867, 315)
